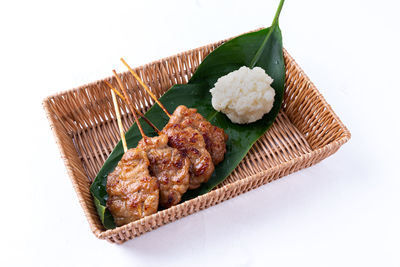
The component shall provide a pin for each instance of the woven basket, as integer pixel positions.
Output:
(83, 122)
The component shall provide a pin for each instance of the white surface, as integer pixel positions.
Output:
(341, 212)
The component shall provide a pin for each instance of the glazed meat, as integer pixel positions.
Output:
(170, 167)
(214, 137)
(191, 143)
(132, 192)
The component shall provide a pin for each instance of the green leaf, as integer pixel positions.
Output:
(261, 48)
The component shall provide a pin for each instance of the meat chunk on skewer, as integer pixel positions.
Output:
(132, 192)
(191, 143)
(214, 137)
(170, 167)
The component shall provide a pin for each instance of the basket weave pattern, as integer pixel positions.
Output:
(84, 124)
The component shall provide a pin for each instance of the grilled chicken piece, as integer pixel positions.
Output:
(170, 167)
(132, 192)
(214, 137)
(191, 143)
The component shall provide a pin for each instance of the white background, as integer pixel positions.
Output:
(344, 211)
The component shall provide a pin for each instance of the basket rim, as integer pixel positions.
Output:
(107, 233)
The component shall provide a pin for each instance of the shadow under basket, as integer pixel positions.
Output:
(84, 124)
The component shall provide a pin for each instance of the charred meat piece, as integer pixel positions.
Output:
(170, 167)
(191, 143)
(214, 137)
(132, 192)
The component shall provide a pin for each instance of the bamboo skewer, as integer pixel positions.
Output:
(132, 108)
(129, 102)
(116, 91)
(121, 129)
(145, 87)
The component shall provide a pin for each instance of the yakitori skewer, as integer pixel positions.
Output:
(132, 192)
(121, 129)
(132, 108)
(167, 164)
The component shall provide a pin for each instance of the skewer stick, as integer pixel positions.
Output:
(115, 91)
(121, 129)
(133, 109)
(145, 87)
(129, 102)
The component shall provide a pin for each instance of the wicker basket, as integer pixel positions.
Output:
(83, 122)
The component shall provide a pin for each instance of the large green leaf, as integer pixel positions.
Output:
(261, 48)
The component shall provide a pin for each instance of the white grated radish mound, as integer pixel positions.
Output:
(244, 95)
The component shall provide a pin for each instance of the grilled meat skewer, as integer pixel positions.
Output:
(166, 163)
(132, 192)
